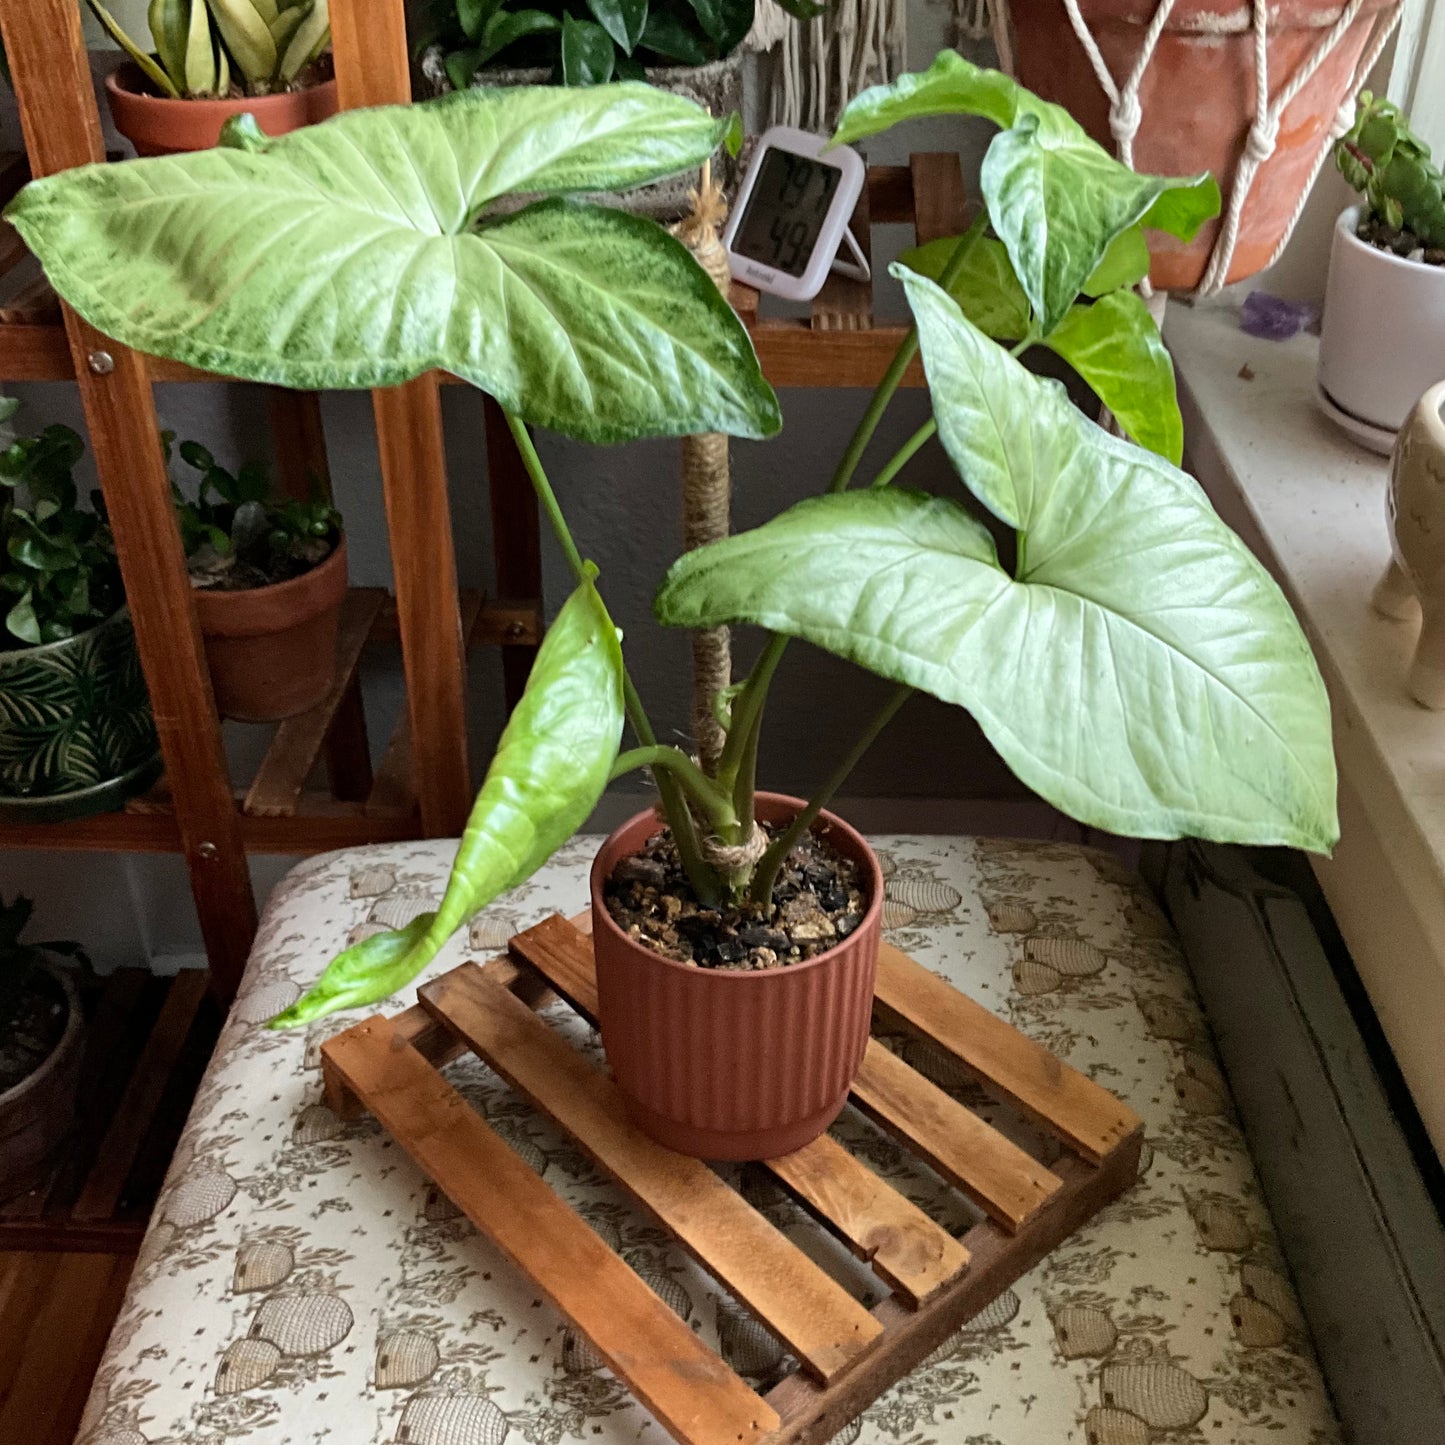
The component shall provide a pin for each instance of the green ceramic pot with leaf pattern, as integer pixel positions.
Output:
(76, 732)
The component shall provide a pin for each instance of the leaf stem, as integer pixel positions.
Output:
(766, 873)
(905, 454)
(704, 879)
(893, 377)
(699, 787)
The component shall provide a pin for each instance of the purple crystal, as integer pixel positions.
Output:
(1272, 318)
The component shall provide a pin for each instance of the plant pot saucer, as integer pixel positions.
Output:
(1374, 438)
(104, 797)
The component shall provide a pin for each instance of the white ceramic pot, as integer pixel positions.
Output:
(1383, 341)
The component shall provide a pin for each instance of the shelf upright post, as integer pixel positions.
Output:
(368, 39)
(52, 78)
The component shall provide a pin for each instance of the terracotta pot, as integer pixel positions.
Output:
(157, 125)
(1197, 102)
(36, 1113)
(1382, 341)
(272, 650)
(728, 1065)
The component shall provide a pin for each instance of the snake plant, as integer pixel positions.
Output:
(208, 48)
(1121, 648)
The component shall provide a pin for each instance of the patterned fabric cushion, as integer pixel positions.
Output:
(300, 1282)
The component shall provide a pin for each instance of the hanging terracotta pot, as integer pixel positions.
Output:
(272, 650)
(1197, 102)
(159, 125)
(735, 1065)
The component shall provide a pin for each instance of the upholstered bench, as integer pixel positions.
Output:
(301, 1282)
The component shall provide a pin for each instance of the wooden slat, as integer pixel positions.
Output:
(14, 172)
(298, 740)
(691, 1391)
(910, 1251)
(914, 1255)
(117, 1152)
(51, 71)
(937, 195)
(813, 1414)
(298, 441)
(793, 354)
(1007, 1063)
(12, 248)
(506, 624)
(823, 1325)
(28, 299)
(890, 194)
(846, 304)
(996, 1174)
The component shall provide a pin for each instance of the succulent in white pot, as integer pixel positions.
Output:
(1383, 339)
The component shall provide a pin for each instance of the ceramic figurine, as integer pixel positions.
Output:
(1414, 585)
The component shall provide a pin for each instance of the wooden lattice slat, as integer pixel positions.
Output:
(847, 1355)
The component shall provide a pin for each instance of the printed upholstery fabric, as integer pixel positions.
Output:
(300, 1281)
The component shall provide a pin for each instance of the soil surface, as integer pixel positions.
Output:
(33, 1031)
(817, 902)
(1401, 241)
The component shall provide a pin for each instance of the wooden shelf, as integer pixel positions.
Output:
(284, 810)
(146, 1046)
(840, 344)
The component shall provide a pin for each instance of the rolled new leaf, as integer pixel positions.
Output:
(1057, 198)
(1141, 671)
(361, 253)
(550, 769)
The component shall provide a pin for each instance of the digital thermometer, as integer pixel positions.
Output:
(792, 215)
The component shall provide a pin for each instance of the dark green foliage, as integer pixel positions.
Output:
(20, 961)
(585, 42)
(1383, 159)
(236, 532)
(58, 574)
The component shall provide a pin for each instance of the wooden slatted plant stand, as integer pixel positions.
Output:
(847, 1354)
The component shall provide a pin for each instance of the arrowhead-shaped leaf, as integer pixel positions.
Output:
(550, 769)
(349, 254)
(1056, 198)
(1143, 673)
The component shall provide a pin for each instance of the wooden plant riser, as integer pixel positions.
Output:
(847, 1354)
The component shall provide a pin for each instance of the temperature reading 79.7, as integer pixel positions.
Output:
(789, 202)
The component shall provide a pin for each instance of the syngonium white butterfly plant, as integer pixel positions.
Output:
(1130, 660)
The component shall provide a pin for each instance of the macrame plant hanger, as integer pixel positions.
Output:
(978, 18)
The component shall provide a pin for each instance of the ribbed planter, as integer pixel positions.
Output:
(76, 732)
(272, 650)
(729, 1065)
(159, 125)
(1197, 102)
(36, 1113)
(717, 86)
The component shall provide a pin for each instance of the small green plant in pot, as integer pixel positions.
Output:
(211, 59)
(40, 1047)
(270, 577)
(1382, 344)
(76, 732)
(1125, 653)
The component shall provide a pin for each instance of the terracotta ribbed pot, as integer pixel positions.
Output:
(1197, 102)
(157, 125)
(272, 650)
(728, 1065)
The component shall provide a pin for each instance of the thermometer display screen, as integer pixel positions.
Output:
(785, 214)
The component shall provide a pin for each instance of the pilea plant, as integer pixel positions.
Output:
(58, 574)
(1130, 659)
(1383, 159)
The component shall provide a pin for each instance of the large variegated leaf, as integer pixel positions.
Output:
(549, 771)
(1142, 672)
(360, 253)
(1055, 196)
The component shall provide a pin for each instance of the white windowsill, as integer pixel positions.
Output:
(1311, 504)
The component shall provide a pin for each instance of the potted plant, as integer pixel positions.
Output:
(1197, 67)
(212, 59)
(40, 1049)
(691, 48)
(1382, 343)
(269, 578)
(76, 732)
(1121, 648)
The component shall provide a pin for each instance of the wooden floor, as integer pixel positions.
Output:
(55, 1313)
